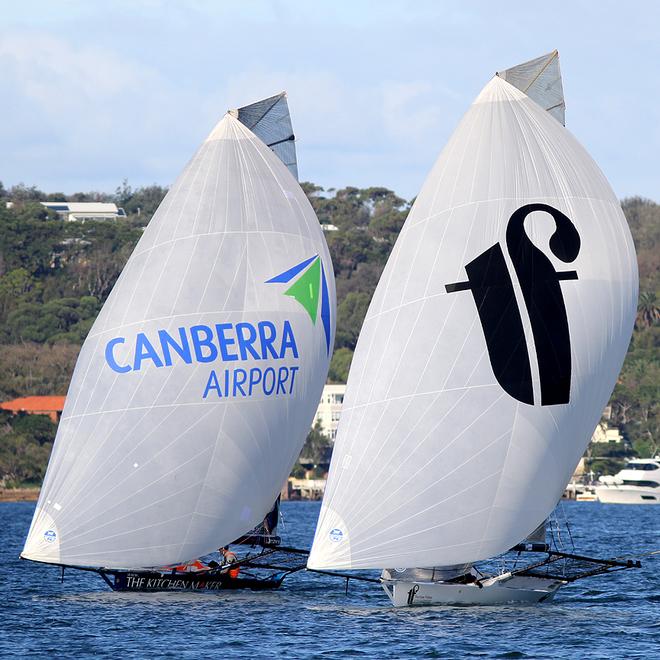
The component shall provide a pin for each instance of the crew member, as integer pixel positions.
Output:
(229, 558)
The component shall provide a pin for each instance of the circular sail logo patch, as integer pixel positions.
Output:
(336, 535)
(50, 536)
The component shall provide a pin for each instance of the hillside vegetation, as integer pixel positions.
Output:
(55, 276)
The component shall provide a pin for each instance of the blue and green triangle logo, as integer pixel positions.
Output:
(309, 287)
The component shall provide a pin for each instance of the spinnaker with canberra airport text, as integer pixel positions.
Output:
(197, 384)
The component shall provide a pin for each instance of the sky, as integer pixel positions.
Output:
(93, 93)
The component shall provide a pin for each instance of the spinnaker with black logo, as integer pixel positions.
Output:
(491, 345)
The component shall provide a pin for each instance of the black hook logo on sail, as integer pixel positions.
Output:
(491, 286)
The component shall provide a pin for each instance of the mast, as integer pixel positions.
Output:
(490, 347)
(196, 386)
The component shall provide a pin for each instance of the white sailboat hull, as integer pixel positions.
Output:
(499, 590)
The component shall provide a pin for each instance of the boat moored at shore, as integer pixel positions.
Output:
(637, 483)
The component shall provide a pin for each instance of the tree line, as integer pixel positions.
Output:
(55, 276)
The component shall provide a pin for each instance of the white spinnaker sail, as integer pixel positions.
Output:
(196, 386)
(270, 121)
(540, 79)
(465, 414)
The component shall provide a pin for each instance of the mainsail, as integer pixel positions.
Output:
(196, 386)
(270, 121)
(489, 350)
(540, 79)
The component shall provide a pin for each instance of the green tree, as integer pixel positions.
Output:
(350, 315)
(340, 365)
(316, 443)
(648, 311)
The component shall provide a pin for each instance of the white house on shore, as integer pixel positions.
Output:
(83, 211)
(330, 408)
(604, 433)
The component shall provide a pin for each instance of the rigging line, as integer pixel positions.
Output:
(644, 554)
(568, 527)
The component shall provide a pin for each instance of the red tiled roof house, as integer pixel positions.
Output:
(36, 405)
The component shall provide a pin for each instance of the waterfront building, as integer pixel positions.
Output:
(36, 405)
(83, 211)
(303, 489)
(605, 434)
(329, 409)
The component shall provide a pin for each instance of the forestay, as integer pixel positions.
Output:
(196, 386)
(486, 358)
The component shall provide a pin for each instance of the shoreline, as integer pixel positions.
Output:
(19, 494)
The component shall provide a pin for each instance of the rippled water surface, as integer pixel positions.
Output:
(615, 615)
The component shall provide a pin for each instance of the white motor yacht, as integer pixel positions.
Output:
(637, 483)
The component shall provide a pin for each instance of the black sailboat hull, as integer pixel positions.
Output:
(150, 581)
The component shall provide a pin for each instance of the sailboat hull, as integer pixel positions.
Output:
(500, 590)
(150, 581)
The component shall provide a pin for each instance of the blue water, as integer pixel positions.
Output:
(614, 615)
